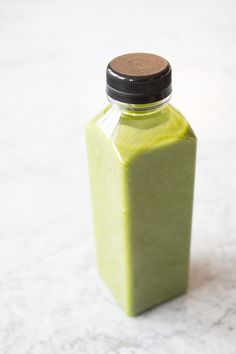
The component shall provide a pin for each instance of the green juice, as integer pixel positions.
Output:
(142, 178)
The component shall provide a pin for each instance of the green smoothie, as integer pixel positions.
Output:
(142, 162)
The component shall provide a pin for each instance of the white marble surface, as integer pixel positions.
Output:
(52, 61)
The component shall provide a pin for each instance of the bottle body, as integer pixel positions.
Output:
(142, 165)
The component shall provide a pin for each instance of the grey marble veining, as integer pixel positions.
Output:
(51, 298)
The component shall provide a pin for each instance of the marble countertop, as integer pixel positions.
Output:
(52, 61)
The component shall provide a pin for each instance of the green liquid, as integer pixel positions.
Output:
(142, 177)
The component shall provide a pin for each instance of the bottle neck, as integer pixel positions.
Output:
(139, 108)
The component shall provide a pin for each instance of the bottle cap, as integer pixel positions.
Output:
(138, 78)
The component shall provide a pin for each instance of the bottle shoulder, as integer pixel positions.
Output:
(133, 134)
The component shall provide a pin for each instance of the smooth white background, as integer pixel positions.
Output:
(53, 56)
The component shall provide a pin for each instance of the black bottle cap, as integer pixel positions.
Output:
(138, 78)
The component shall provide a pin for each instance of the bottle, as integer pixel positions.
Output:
(141, 154)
